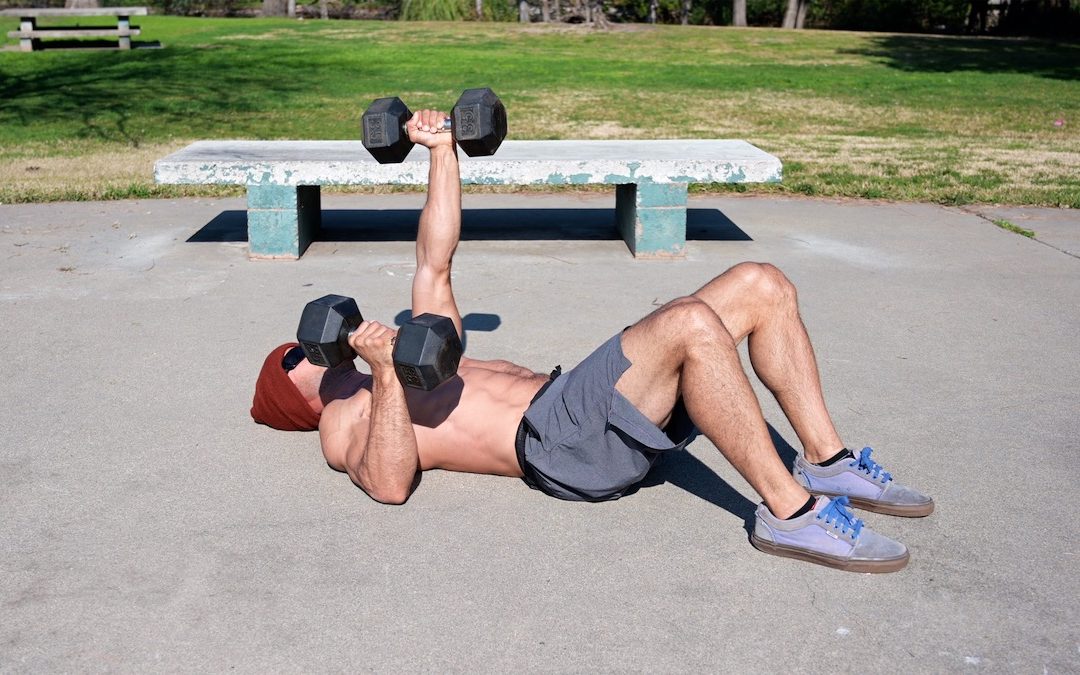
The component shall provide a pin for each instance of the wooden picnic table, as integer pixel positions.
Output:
(30, 34)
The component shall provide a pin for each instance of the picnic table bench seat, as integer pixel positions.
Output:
(651, 178)
(30, 34)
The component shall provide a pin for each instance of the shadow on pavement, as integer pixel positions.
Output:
(477, 224)
(684, 470)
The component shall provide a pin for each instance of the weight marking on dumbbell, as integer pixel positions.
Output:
(375, 131)
(468, 123)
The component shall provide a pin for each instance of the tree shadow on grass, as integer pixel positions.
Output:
(185, 89)
(936, 54)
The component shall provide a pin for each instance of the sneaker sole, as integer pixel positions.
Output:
(843, 564)
(902, 510)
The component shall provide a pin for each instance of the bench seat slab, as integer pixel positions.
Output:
(82, 32)
(53, 12)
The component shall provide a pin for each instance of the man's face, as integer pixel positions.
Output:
(302, 371)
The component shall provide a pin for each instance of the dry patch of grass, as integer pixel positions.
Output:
(268, 35)
(92, 174)
(652, 114)
(928, 169)
(119, 166)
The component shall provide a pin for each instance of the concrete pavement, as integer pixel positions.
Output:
(149, 525)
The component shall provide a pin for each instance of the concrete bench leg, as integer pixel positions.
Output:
(123, 24)
(26, 26)
(282, 220)
(652, 218)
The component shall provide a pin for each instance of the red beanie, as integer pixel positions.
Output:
(278, 403)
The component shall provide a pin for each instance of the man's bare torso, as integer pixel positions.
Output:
(468, 423)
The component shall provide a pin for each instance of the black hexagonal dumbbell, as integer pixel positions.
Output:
(427, 349)
(477, 120)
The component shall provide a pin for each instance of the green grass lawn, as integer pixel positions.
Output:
(866, 115)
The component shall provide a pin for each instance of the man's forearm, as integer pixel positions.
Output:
(437, 238)
(440, 221)
(387, 469)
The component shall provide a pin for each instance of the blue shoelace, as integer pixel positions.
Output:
(840, 517)
(869, 466)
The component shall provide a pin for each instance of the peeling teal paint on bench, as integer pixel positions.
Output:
(271, 197)
(563, 179)
(661, 194)
(661, 233)
(282, 220)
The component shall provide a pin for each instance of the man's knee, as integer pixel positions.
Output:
(693, 322)
(766, 282)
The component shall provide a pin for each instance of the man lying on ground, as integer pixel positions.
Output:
(593, 433)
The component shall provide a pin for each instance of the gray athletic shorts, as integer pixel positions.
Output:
(580, 439)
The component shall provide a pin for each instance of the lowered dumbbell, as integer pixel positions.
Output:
(477, 120)
(426, 352)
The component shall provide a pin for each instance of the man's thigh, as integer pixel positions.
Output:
(656, 350)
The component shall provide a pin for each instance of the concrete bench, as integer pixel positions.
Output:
(650, 178)
(30, 34)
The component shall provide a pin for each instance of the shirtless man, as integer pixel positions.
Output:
(594, 432)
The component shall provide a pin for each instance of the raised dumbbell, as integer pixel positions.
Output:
(426, 352)
(477, 120)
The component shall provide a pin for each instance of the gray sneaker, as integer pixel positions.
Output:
(865, 484)
(830, 535)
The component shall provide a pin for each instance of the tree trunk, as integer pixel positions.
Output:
(523, 11)
(652, 10)
(599, 18)
(545, 11)
(588, 11)
(274, 8)
(738, 13)
(479, 10)
(976, 22)
(800, 18)
(791, 13)
(685, 19)
(558, 10)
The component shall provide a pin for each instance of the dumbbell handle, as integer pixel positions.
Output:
(448, 124)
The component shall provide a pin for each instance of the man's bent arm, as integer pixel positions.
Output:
(383, 458)
(440, 228)
(387, 464)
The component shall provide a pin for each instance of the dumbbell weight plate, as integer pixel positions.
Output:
(427, 351)
(383, 130)
(324, 330)
(479, 122)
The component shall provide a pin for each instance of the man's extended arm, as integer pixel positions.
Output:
(440, 222)
(382, 456)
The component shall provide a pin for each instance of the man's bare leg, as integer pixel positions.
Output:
(684, 349)
(758, 301)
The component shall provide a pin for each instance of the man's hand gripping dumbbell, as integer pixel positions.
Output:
(477, 123)
(427, 349)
